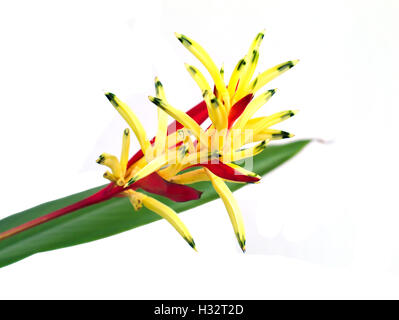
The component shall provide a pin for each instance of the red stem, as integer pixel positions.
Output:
(102, 195)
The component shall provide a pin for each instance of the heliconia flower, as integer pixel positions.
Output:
(183, 152)
(230, 108)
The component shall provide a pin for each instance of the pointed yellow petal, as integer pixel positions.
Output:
(169, 215)
(159, 90)
(181, 117)
(257, 41)
(216, 109)
(251, 60)
(198, 78)
(235, 77)
(232, 207)
(151, 167)
(243, 171)
(208, 63)
(190, 177)
(125, 150)
(160, 140)
(244, 153)
(132, 121)
(270, 74)
(262, 123)
(272, 134)
(111, 162)
(252, 107)
(245, 77)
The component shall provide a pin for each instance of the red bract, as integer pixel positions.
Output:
(224, 171)
(238, 108)
(176, 192)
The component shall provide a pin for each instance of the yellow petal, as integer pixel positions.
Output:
(235, 77)
(232, 207)
(135, 198)
(190, 177)
(132, 121)
(243, 171)
(270, 74)
(181, 117)
(246, 76)
(169, 215)
(245, 153)
(111, 162)
(109, 176)
(198, 78)
(160, 140)
(262, 123)
(125, 151)
(272, 134)
(208, 63)
(252, 107)
(251, 60)
(216, 109)
(151, 167)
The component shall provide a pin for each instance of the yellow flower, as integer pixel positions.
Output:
(230, 108)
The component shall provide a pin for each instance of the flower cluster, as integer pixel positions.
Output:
(184, 153)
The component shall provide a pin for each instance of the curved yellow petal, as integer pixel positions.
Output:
(208, 63)
(111, 162)
(232, 207)
(262, 123)
(109, 176)
(243, 171)
(169, 215)
(151, 167)
(252, 107)
(190, 177)
(239, 81)
(125, 150)
(181, 117)
(135, 198)
(216, 109)
(132, 121)
(198, 78)
(242, 89)
(160, 140)
(272, 134)
(270, 74)
(245, 153)
(235, 77)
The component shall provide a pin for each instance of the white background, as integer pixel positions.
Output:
(325, 225)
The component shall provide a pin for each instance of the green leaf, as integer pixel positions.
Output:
(110, 217)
